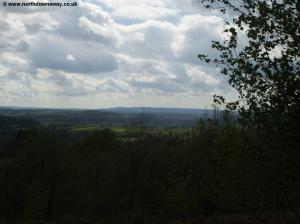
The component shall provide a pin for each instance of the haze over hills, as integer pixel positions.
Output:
(112, 109)
(158, 110)
(108, 117)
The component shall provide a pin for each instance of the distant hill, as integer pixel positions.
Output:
(158, 110)
(108, 117)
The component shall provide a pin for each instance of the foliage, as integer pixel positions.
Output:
(154, 179)
(260, 55)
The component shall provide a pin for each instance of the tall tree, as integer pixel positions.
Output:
(266, 70)
(260, 55)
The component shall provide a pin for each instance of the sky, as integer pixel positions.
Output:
(110, 53)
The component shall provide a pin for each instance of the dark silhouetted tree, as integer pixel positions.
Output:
(260, 55)
(266, 70)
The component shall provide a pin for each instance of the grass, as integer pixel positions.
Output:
(125, 131)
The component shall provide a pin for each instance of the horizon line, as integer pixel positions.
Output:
(102, 108)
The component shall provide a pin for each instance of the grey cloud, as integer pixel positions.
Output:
(87, 53)
(33, 28)
(198, 32)
(60, 80)
(4, 26)
(158, 37)
(103, 63)
(52, 53)
(113, 86)
(76, 25)
(15, 46)
(78, 85)
(159, 85)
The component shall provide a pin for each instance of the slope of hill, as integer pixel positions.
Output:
(109, 117)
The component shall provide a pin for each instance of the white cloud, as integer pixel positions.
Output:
(128, 50)
(200, 77)
(144, 12)
(13, 60)
(70, 57)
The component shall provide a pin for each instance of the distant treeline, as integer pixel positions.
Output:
(218, 168)
(106, 117)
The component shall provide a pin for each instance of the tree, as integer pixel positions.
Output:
(260, 55)
(266, 71)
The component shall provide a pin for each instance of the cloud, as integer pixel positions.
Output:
(194, 35)
(140, 10)
(13, 60)
(136, 12)
(50, 52)
(127, 50)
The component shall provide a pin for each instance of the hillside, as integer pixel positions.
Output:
(108, 117)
